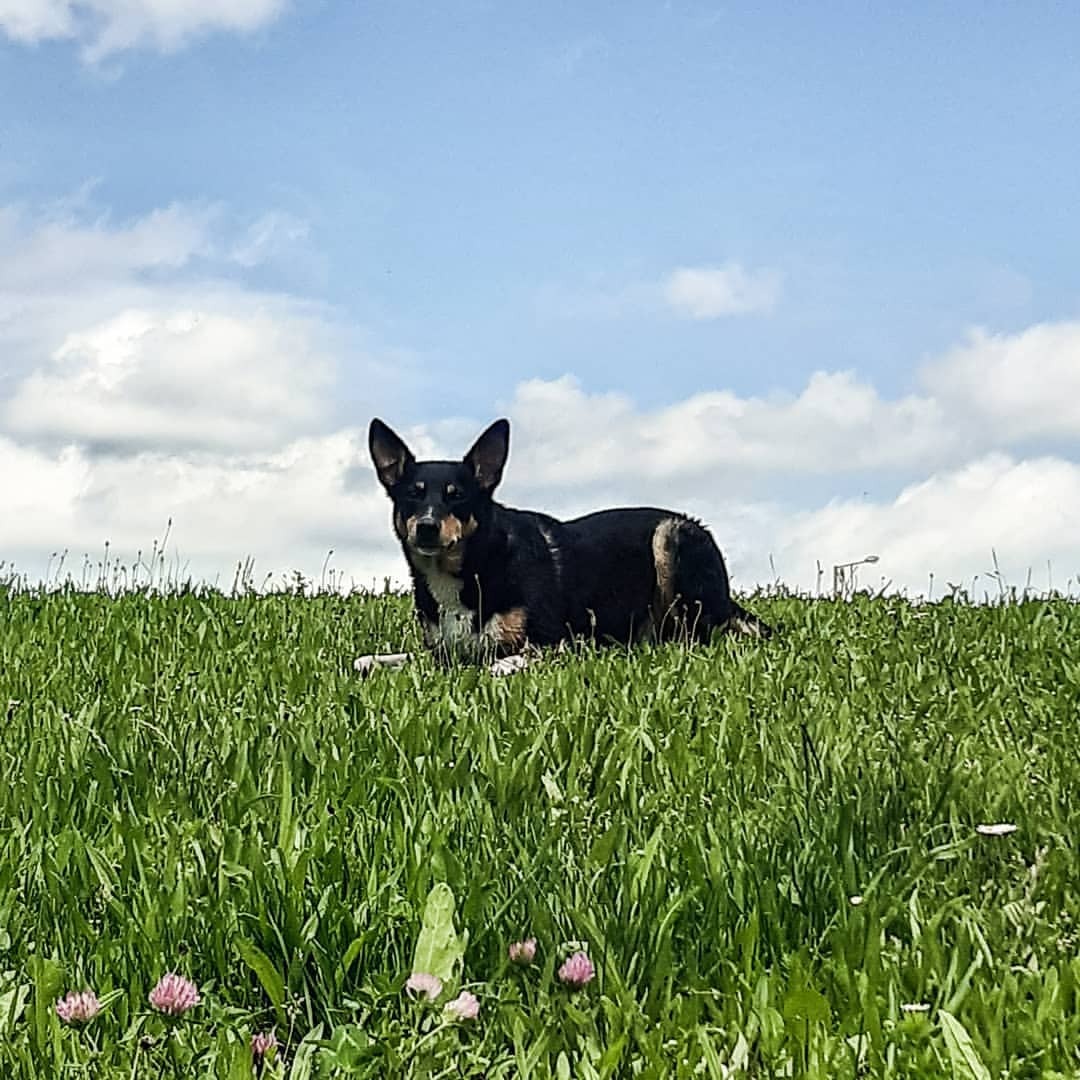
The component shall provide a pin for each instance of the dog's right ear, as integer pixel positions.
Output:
(389, 453)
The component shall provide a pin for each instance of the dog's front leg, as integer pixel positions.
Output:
(505, 634)
(365, 665)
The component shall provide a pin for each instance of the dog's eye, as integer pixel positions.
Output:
(419, 487)
(454, 493)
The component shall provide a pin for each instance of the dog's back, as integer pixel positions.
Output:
(649, 574)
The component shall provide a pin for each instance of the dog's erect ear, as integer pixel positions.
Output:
(391, 456)
(488, 455)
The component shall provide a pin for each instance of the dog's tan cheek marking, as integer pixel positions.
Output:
(400, 525)
(509, 629)
(450, 530)
(451, 561)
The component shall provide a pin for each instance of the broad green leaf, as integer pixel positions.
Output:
(966, 1063)
(48, 978)
(304, 1061)
(351, 953)
(12, 1003)
(268, 975)
(285, 811)
(349, 1045)
(806, 1003)
(712, 1058)
(439, 950)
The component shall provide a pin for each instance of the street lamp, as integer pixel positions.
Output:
(843, 574)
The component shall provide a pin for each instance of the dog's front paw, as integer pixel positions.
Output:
(508, 665)
(364, 665)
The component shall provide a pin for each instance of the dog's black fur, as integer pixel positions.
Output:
(489, 580)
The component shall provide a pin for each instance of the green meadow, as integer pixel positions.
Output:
(770, 852)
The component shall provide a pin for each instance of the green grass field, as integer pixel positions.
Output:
(201, 784)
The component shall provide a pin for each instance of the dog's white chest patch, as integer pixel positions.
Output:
(454, 630)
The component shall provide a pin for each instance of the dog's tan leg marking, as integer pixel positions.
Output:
(507, 630)
(663, 552)
(365, 665)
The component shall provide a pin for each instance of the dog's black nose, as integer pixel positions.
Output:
(427, 534)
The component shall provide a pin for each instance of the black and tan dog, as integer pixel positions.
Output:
(489, 581)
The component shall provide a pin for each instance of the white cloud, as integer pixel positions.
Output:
(721, 291)
(268, 237)
(289, 508)
(837, 424)
(286, 510)
(70, 267)
(122, 335)
(40, 493)
(143, 388)
(105, 27)
(699, 293)
(176, 380)
(62, 249)
(951, 525)
(34, 20)
(139, 386)
(1024, 385)
(739, 464)
(993, 393)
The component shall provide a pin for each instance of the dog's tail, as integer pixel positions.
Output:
(746, 624)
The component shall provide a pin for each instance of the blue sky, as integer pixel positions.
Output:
(473, 196)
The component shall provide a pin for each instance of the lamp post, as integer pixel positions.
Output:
(843, 574)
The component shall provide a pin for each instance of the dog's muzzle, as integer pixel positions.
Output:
(426, 535)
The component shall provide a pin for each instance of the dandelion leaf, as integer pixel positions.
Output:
(439, 948)
(267, 973)
(807, 1004)
(966, 1063)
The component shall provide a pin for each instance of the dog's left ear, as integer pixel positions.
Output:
(488, 455)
